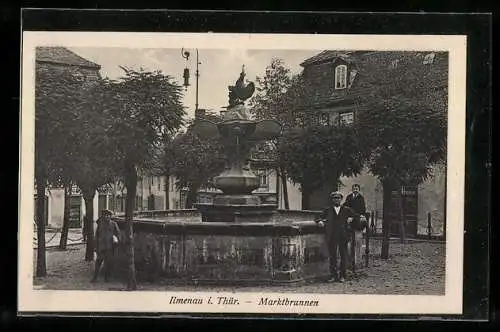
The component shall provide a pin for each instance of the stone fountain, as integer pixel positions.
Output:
(237, 238)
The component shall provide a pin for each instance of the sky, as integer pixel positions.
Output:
(218, 68)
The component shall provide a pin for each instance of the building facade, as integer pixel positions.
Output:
(153, 193)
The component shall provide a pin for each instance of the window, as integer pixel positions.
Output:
(346, 118)
(159, 183)
(138, 203)
(119, 203)
(324, 119)
(211, 183)
(333, 119)
(340, 77)
(394, 63)
(263, 179)
(352, 76)
(429, 58)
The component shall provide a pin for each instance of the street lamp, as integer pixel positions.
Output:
(185, 55)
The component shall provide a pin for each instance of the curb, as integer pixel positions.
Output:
(397, 239)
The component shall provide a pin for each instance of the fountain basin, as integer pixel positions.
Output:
(289, 248)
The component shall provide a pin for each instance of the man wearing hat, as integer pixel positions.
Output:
(336, 219)
(107, 236)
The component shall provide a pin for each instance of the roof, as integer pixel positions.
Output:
(324, 57)
(410, 63)
(376, 65)
(62, 55)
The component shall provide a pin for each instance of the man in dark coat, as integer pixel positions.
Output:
(335, 219)
(356, 202)
(106, 238)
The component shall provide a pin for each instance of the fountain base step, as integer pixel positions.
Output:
(228, 200)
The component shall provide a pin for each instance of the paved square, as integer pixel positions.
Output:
(416, 269)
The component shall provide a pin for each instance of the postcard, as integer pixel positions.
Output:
(241, 173)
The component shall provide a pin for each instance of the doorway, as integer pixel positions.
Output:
(75, 212)
(407, 199)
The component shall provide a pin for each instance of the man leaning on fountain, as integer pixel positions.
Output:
(336, 219)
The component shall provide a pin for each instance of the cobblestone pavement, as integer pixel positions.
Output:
(417, 268)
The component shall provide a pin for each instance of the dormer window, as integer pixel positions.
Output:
(340, 77)
(429, 58)
(263, 179)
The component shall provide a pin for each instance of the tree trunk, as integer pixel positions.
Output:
(445, 200)
(306, 198)
(65, 228)
(41, 267)
(386, 221)
(278, 186)
(285, 190)
(402, 218)
(167, 192)
(131, 185)
(88, 197)
(191, 196)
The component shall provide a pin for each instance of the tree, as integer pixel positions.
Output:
(404, 114)
(83, 153)
(194, 161)
(145, 107)
(316, 151)
(320, 155)
(71, 143)
(89, 160)
(271, 102)
(65, 228)
(55, 98)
